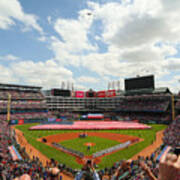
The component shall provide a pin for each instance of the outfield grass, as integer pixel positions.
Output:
(78, 144)
(148, 135)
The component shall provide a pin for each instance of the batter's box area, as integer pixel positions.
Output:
(94, 145)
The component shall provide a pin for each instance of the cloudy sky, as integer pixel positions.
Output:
(89, 43)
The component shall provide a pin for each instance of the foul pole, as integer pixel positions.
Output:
(9, 108)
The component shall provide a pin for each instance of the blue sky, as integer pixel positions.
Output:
(89, 43)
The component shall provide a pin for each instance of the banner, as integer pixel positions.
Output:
(101, 94)
(163, 152)
(14, 153)
(95, 116)
(79, 94)
(111, 93)
(21, 121)
(58, 120)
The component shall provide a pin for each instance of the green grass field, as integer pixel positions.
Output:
(148, 135)
(78, 144)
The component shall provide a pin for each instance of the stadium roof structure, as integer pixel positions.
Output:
(139, 91)
(161, 90)
(19, 87)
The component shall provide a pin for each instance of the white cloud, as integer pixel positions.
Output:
(47, 74)
(42, 38)
(49, 19)
(87, 79)
(73, 40)
(79, 87)
(137, 23)
(172, 84)
(9, 57)
(173, 64)
(132, 32)
(141, 38)
(11, 10)
(6, 75)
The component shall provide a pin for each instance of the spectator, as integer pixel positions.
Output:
(169, 167)
(88, 172)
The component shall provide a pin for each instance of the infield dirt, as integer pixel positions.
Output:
(121, 138)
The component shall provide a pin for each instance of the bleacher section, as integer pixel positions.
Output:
(178, 105)
(172, 133)
(26, 103)
(144, 104)
(146, 108)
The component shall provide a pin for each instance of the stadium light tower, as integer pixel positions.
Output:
(63, 85)
(109, 85)
(72, 86)
(118, 85)
(68, 85)
(113, 84)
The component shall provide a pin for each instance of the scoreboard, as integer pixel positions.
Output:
(61, 92)
(145, 82)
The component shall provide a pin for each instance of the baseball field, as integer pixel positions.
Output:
(98, 140)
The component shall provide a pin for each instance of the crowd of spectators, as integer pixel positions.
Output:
(147, 108)
(177, 105)
(23, 105)
(144, 104)
(26, 116)
(172, 133)
(145, 117)
(21, 169)
(144, 168)
(20, 94)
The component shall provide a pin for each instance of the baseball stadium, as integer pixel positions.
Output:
(108, 134)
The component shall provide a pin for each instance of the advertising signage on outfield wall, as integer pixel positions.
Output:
(79, 94)
(111, 93)
(101, 94)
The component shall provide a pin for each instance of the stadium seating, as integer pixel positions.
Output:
(145, 117)
(24, 105)
(15, 95)
(144, 104)
(178, 105)
(146, 108)
(172, 133)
